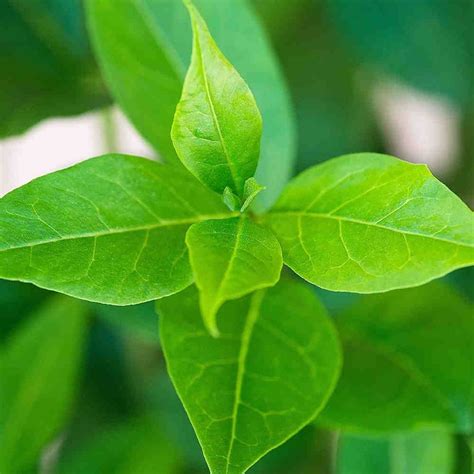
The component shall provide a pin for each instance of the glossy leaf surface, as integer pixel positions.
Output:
(231, 258)
(268, 374)
(426, 452)
(408, 362)
(217, 126)
(39, 367)
(110, 229)
(369, 223)
(144, 48)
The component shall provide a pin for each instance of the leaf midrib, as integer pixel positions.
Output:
(368, 223)
(213, 112)
(158, 225)
(252, 316)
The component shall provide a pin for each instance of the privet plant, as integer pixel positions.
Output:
(251, 351)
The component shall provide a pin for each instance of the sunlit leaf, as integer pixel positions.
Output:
(369, 223)
(268, 374)
(109, 230)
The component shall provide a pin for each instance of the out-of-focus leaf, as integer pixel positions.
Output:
(138, 320)
(39, 367)
(408, 362)
(17, 302)
(427, 43)
(46, 68)
(135, 447)
(426, 452)
(144, 48)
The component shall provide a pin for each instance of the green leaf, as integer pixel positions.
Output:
(408, 362)
(369, 223)
(231, 258)
(251, 190)
(217, 127)
(46, 67)
(109, 230)
(39, 367)
(144, 49)
(136, 446)
(426, 452)
(268, 375)
(230, 199)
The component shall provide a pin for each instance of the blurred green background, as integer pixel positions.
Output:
(84, 387)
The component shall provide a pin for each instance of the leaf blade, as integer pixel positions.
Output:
(231, 258)
(119, 240)
(368, 223)
(272, 406)
(395, 377)
(217, 126)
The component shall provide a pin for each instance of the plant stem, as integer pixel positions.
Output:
(109, 130)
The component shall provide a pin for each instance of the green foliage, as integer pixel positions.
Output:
(217, 126)
(426, 452)
(408, 362)
(136, 446)
(39, 367)
(123, 230)
(64, 236)
(144, 49)
(267, 375)
(368, 223)
(46, 66)
(230, 259)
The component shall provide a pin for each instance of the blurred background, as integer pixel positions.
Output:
(389, 76)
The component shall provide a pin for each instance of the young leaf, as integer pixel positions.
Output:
(368, 223)
(39, 367)
(425, 452)
(110, 229)
(251, 190)
(217, 125)
(144, 49)
(231, 258)
(230, 199)
(268, 375)
(408, 362)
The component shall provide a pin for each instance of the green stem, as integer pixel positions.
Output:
(109, 130)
